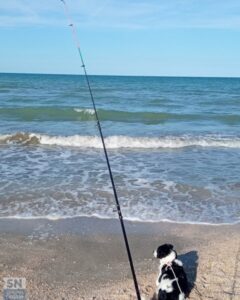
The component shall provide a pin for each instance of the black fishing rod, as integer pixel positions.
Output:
(120, 216)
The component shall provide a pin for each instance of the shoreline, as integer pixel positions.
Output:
(98, 217)
(85, 257)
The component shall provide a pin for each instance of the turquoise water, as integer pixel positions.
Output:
(173, 144)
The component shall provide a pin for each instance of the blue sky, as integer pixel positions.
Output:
(120, 37)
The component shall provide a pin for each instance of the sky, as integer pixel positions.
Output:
(120, 37)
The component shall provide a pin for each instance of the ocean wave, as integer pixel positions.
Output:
(89, 111)
(58, 217)
(57, 114)
(61, 114)
(117, 142)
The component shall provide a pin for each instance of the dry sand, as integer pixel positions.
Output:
(85, 258)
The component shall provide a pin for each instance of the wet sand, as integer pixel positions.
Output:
(85, 258)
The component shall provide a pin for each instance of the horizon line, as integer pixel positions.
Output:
(115, 75)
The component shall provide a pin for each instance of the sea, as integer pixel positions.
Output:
(173, 145)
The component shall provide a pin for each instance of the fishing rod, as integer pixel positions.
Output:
(120, 216)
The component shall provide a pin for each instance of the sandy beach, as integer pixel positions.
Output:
(85, 258)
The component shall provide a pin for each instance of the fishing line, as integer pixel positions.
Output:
(120, 216)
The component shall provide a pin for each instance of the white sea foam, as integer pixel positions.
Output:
(4, 137)
(116, 142)
(77, 186)
(137, 220)
(89, 111)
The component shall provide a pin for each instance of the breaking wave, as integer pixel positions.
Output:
(58, 114)
(116, 142)
(86, 111)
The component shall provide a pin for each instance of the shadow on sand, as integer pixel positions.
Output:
(190, 264)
